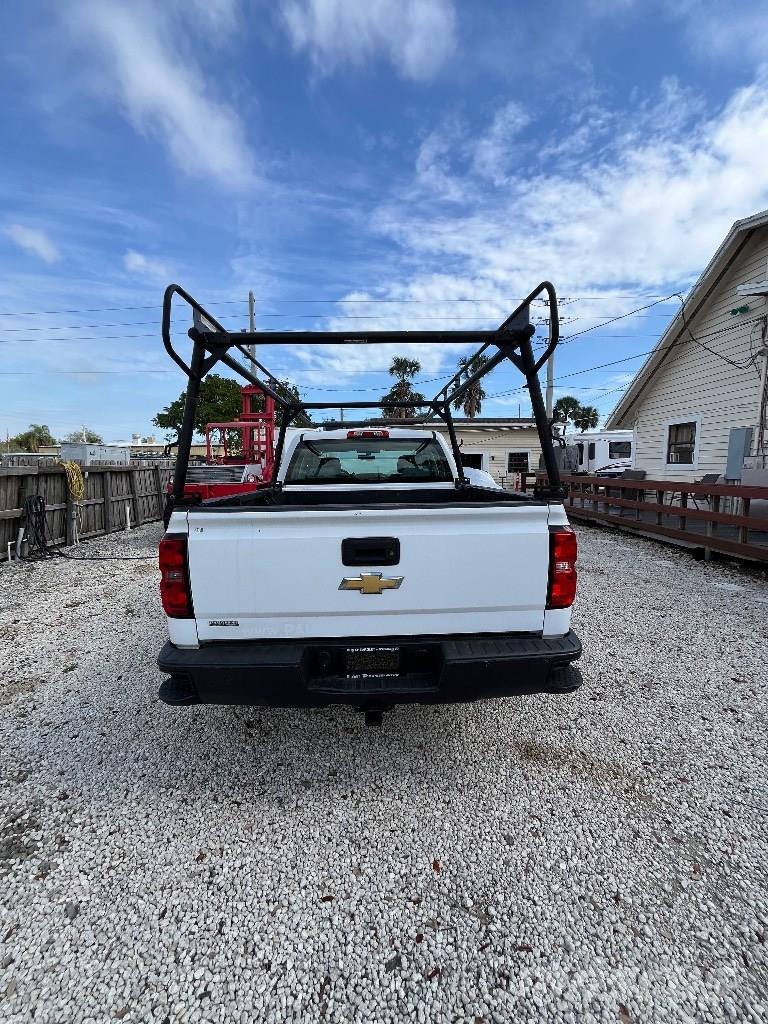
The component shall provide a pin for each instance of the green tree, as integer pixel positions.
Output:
(91, 437)
(38, 436)
(404, 370)
(472, 399)
(219, 402)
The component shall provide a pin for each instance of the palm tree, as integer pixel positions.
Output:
(472, 399)
(583, 417)
(566, 408)
(586, 418)
(404, 370)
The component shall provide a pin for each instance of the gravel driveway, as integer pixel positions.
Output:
(600, 857)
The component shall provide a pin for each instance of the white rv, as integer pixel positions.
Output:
(604, 452)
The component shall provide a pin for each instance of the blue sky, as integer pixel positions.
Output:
(416, 163)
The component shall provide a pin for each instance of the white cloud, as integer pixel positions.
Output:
(736, 32)
(645, 212)
(339, 365)
(450, 152)
(137, 263)
(138, 52)
(640, 213)
(433, 172)
(34, 241)
(416, 35)
(494, 151)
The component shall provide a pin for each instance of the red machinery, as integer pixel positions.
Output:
(257, 434)
(234, 465)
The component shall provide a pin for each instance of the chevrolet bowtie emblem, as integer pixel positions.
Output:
(370, 583)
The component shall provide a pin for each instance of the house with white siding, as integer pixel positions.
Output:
(502, 446)
(706, 376)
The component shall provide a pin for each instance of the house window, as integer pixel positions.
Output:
(681, 444)
(580, 450)
(620, 450)
(591, 451)
(517, 462)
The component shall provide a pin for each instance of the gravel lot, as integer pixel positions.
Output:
(600, 857)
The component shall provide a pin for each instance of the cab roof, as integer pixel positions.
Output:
(361, 433)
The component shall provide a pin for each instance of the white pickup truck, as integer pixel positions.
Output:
(372, 573)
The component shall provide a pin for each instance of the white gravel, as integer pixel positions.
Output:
(600, 857)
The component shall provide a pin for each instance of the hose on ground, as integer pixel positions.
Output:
(40, 545)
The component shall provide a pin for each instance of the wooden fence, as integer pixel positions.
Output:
(715, 517)
(112, 493)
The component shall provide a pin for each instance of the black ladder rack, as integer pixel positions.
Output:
(212, 344)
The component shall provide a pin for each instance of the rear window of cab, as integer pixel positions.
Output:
(368, 460)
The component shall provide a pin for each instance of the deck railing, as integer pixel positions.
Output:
(715, 517)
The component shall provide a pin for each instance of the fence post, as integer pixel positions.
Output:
(160, 491)
(69, 521)
(712, 526)
(106, 492)
(683, 504)
(138, 518)
(26, 490)
(744, 530)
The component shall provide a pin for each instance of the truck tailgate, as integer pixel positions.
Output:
(277, 573)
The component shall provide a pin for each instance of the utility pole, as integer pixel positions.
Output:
(251, 321)
(550, 377)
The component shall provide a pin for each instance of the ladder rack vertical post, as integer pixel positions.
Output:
(188, 422)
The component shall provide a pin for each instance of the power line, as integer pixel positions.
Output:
(154, 334)
(739, 366)
(671, 362)
(37, 373)
(263, 316)
(613, 319)
(576, 373)
(328, 301)
(697, 340)
(299, 384)
(95, 337)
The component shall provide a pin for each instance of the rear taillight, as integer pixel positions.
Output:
(562, 567)
(174, 578)
(367, 433)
